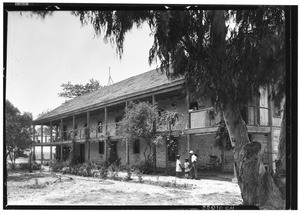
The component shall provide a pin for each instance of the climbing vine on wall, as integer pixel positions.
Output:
(222, 139)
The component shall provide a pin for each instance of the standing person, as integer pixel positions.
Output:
(187, 168)
(194, 164)
(193, 160)
(178, 166)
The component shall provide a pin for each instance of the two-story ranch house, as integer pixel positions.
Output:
(95, 116)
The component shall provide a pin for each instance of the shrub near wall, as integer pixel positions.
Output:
(26, 166)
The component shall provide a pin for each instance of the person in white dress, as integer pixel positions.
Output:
(178, 166)
(187, 168)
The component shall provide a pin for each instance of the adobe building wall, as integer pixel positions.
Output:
(94, 152)
(135, 158)
(204, 147)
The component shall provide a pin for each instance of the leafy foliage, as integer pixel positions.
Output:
(26, 166)
(222, 139)
(75, 90)
(18, 130)
(142, 121)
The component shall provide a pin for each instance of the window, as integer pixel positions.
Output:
(194, 105)
(101, 147)
(100, 127)
(136, 147)
(277, 107)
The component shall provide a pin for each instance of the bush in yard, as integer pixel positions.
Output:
(114, 170)
(129, 171)
(56, 165)
(23, 166)
(146, 167)
(26, 166)
(66, 170)
(46, 163)
(103, 172)
(36, 166)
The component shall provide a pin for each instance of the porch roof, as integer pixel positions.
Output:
(144, 83)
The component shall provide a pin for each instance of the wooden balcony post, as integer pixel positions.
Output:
(154, 150)
(88, 132)
(105, 130)
(42, 133)
(127, 144)
(61, 129)
(105, 119)
(73, 137)
(51, 132)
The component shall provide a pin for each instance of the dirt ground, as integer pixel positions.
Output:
(44, 188)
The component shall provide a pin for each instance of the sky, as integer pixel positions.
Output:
(42, 54)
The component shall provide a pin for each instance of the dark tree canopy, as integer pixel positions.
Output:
(186, 45)
(75, 90)
(17, 129)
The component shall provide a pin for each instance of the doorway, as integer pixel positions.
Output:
(81, 152)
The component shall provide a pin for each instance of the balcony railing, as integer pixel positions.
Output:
(203, 118)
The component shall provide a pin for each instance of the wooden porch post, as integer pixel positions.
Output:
(127, 144)
(105, 130)
(154, 150)
(61, 152)
(42, 133)
(73, 139)
(51, 132)
(88, 132)
(33, 153)
(42, 157)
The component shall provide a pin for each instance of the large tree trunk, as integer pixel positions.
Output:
(281, 158)
(257, 186)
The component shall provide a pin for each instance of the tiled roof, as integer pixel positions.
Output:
(118, 91)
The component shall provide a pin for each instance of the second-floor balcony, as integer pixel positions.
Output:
(255, 116)
(252, 115)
